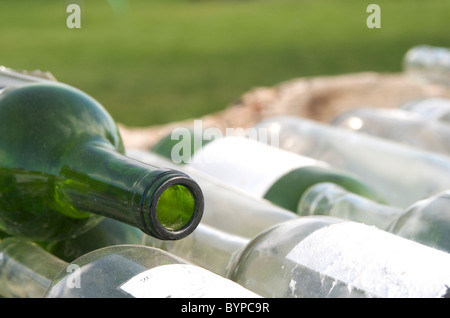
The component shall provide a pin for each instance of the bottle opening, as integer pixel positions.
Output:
(175, 207)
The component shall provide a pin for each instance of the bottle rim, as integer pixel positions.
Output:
(152, 194)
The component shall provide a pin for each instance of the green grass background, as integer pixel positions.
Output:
(152, 61)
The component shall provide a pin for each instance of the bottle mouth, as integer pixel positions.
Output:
(172, 206)
(175, 207)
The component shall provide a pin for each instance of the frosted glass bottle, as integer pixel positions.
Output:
(322, 256)
(119, 271)
(401, 173)
(397, 125)
(266, 172)
(429, 64)
(432, 108)
(426, 221)
(226, 208)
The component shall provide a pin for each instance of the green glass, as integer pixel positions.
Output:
(62, 167)
(287, 190)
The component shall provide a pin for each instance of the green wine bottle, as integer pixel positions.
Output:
(62, 167)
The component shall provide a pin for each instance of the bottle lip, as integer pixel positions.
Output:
(148, 205)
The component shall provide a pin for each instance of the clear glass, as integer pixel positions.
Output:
(225, 204)
(427, 222)
(322, 256)
(270, 173)
(432, 108)
(397, 125)
(120, 271)
(333, 200)
(63, 167)
(401, 174)
(429, 64)
(207, 247)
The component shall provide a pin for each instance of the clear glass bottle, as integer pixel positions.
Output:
(62, 167)
(226, 208)
(431, 108)
(397, 125)
(207, 247)
(426, 221)
(429, 64)
(401, 173)
(266, 172)
(120, 271)
(322, 256)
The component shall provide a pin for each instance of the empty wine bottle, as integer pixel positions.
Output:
(268, 172)
(120, 271)
(426, 221)
(226, 208)
(62, 168)
(428, 64)
(291, 260)
(431, 108)
(322, 256)
(401, 173)
(397, 125)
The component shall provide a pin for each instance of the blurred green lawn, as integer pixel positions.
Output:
(152, 61)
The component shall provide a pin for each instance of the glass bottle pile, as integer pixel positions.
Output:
(358, 207)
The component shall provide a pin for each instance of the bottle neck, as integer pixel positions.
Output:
(333, 200)
(161, 202)
(208, 247)
(224, 203)
(26, 270)
(288, 189)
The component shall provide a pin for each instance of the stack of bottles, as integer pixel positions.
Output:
(358, 207)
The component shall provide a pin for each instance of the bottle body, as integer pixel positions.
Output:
(426, 221)
(327, 257)
(139, 271)
(62, 168)
(400, 173)
(270, 173)
(397, 125)
(207, 247)
(428, 64)
(120, 271)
